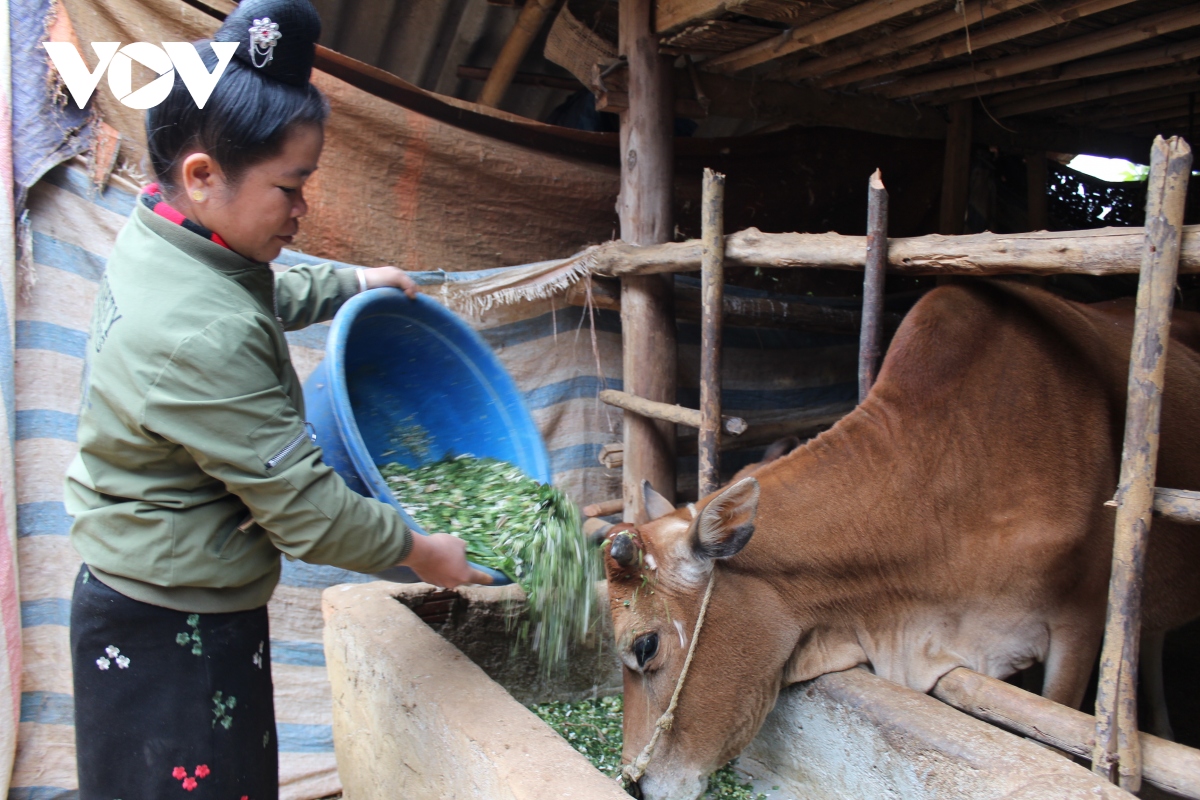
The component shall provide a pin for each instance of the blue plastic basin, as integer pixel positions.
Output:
(393, 366)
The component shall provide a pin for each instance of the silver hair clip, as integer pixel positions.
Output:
(264, 35)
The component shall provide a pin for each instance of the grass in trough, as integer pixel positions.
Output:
(528, 530)
(593, 727)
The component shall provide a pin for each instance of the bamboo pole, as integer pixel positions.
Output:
(1003, 107)
(667, 412)
(975, 12)
(1048, 55)
(529, 24)
(873, 275)
(649, 360)
(855, 18)
(1117, 742)
(1003, 32)
(1102, 251)
(956, 169)
(1157, 56)
(1168, 765)
(712, 287)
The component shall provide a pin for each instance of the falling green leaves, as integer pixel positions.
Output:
(529, 531)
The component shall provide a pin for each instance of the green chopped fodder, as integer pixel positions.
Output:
(528, 530)
(593, 727)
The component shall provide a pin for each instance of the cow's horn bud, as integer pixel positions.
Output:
(596, 531)
(623, 550)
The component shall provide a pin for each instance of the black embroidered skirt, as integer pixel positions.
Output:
(170, 704)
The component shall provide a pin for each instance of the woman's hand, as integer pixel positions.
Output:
(441, 559)
(390, 276)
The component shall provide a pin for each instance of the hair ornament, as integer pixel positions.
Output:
(264, 35)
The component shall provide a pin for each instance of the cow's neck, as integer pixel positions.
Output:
(835, 537)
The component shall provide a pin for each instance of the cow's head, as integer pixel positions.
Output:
(657, 576)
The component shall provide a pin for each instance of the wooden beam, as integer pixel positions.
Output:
(740, 312)
(1048, 55)
(871, 336)
(1118, 754)
(956, 169)
(1103, 251)
(524, 31)
(1131, 105)
(712, 277)
(977, 12)
(524, 78)
(667, 412)
(1157, 56)
(1176, 110)
(603, 508)
(839, 23)
(1005, 31)
(1168, 765)
(1091, 92)
(671, 15)
(644, 204)
(1177, 505)
(1037, 197)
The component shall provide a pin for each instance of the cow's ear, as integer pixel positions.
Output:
(727, 522)
(655, 504)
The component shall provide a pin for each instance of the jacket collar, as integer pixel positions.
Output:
(198, 247)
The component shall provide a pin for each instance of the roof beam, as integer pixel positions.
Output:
(1092, 92)
(975, 12)
(1158, 56)
(1005, 31)
(793, 40)
(1177, 111)
(1088, 44)
(670, 15)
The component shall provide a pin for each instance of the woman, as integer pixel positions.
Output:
(196, 468)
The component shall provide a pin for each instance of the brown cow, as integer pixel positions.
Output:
(955, 518)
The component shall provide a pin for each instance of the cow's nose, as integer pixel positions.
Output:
(634, 789)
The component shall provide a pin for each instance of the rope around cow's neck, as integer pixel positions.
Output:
(633, 771)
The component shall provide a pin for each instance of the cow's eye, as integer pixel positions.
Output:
(645, 647)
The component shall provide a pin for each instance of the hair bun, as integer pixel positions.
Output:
(276, 37)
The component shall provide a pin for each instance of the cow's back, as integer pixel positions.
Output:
(1078, 357)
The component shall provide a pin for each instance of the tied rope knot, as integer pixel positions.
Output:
(632, 773)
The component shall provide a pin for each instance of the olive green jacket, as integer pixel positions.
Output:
(195, 467)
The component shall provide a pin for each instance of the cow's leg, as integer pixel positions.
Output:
(1069, 666)
(1152, 684)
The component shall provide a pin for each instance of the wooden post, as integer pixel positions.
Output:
(645, 208)
(1037, 175)
(956, 169)
(872, 309)
(1117, 742)
(712, 288)
(529, 23)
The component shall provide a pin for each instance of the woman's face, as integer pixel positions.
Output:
(261, 214)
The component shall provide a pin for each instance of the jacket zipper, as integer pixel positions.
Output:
(309, 432)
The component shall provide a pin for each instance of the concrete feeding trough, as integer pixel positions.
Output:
(420, 712)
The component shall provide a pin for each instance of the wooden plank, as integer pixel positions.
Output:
(1168, 765)
(1091, 92)
(1118, 746)
(956, 169)
(869, 342)
(1146, 58)
(977, 12)
(956, 46)
(603, 508)
(712, 287)
(1049, 55)
(667, 412)
(671, 15)
(1104, 251)
(644, 204)
(1177, 505)
(1175, 111)
(839, 23)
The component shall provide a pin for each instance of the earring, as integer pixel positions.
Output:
(197, 195)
